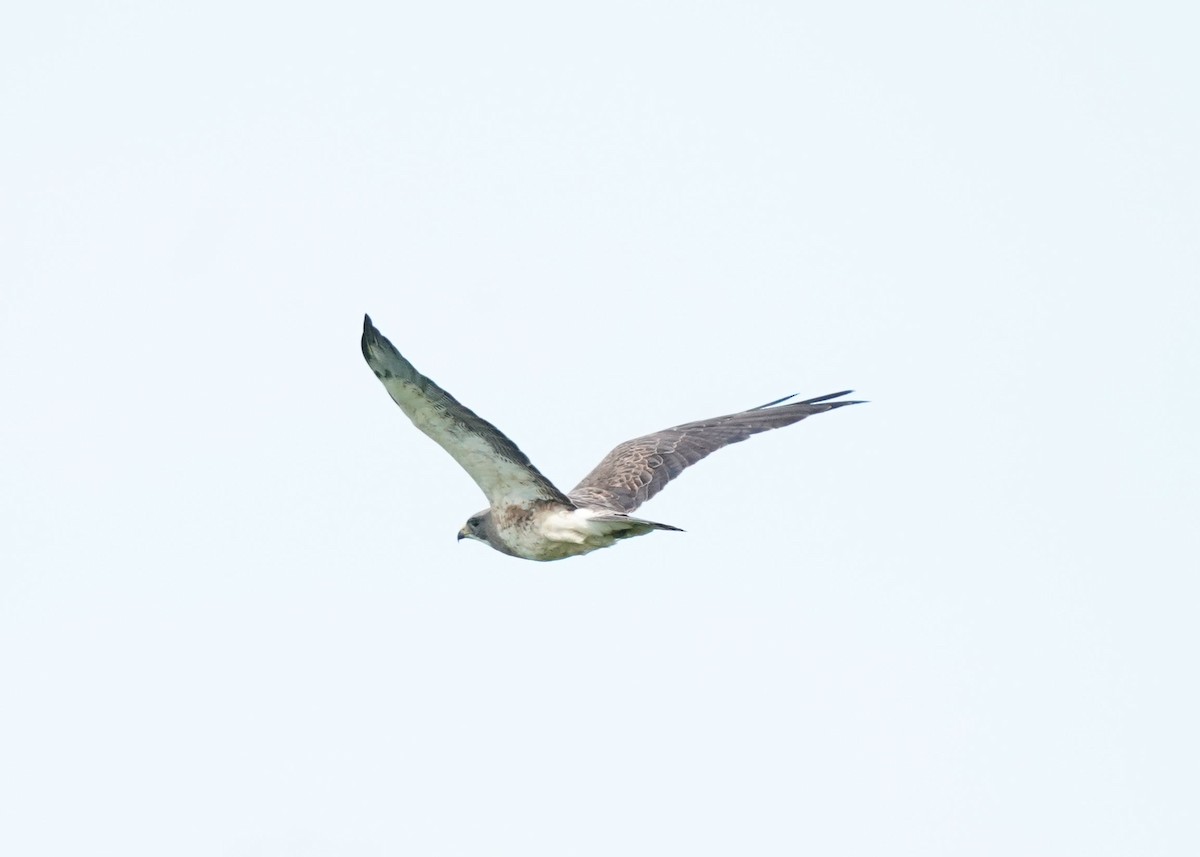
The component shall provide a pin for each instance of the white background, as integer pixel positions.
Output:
(959, 620)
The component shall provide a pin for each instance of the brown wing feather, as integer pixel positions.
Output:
(638, 469)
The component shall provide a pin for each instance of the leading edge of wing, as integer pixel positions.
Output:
(499, 468)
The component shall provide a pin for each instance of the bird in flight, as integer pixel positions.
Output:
(527, 516)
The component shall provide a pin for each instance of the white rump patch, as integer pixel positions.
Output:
(570, 525)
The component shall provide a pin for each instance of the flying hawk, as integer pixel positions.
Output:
(527, 516)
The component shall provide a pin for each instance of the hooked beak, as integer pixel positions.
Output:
(463, 534)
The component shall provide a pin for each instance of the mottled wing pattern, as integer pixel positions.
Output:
(495, 463)
(638, 469)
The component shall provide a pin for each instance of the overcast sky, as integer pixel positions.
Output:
(960, 620)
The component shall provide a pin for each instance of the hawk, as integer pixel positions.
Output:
(527, 516)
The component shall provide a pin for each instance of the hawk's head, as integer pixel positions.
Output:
(477, 527)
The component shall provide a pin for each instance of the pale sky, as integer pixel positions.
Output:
(960, 620)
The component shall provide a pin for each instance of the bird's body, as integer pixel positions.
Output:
(546, 530)
(527, 516)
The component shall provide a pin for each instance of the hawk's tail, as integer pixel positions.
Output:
(633, 526)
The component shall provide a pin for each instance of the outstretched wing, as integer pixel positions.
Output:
(638, 469)
(503, 472)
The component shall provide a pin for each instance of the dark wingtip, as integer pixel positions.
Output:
(776, 402)
(368, 334)
(827, 397)
(831, 405)
(814, 401)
